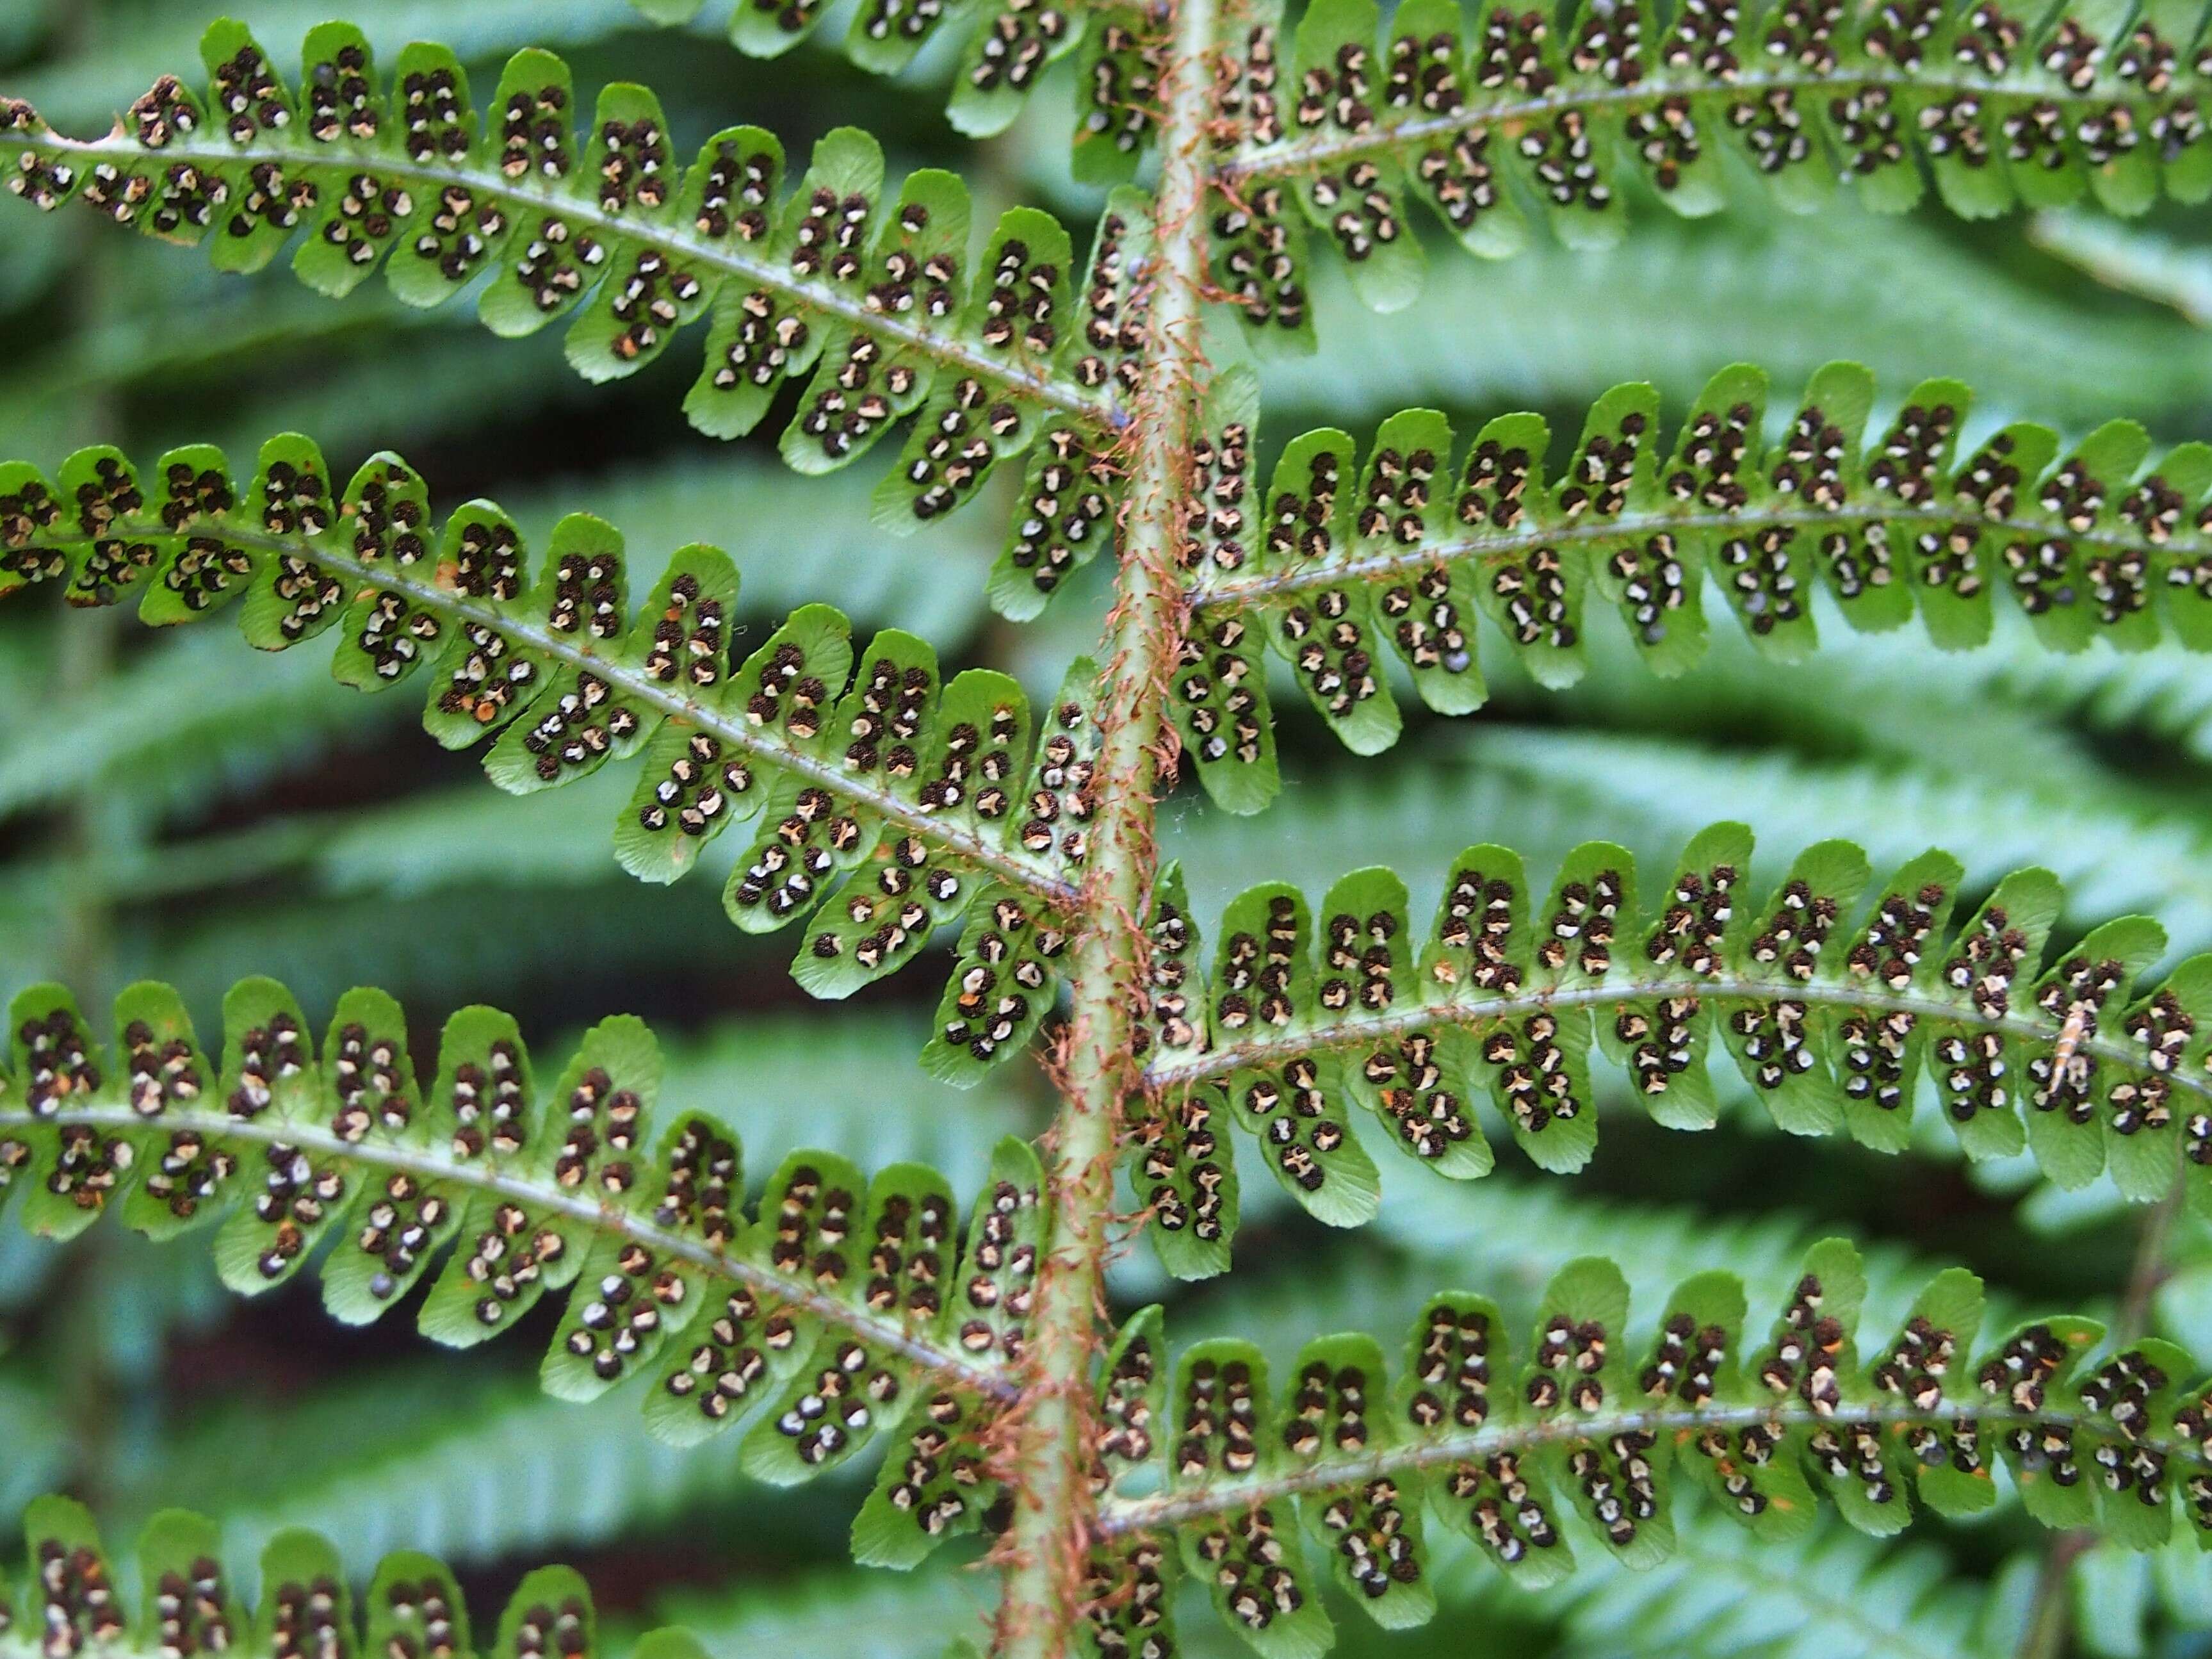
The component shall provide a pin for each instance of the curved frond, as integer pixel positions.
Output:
(1556, 327)
(854, 1615)
(830, 1307)
(1007, 45)
(1725, 1592)
(1888, 519)
(1338, 125)
(471, 1468)
(351, 1148)
(1654, 791)
(868, 767)
(1582, 1441)
(1838, 1013)
(72, 1603)
(870, 288)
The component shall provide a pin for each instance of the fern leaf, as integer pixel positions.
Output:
(471, 1470)
(854, 1615)
(613, 230)
(1515, 1233)
(1582, 1440)
(1833, 1011)
(1458, 109)
(903, 783)
(2117, 1593)
(170, 728)
(2084, 545)
(1682, 298)
(530, 1192)
(1715, 1595)
(1011, 43)
(80, 86)
(1650, 789)
(72, 1603)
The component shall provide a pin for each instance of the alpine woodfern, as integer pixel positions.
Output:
(963, 1339)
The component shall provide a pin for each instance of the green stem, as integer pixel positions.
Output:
(2050, 1615)
(581, 209)
(2029, 1025)
(1383, 560)
(1056, 1514)
(1294, 154)
(985, 851)
(433, 1167)
(1675, 1423)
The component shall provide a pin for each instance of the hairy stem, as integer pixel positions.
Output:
(1046, 1545)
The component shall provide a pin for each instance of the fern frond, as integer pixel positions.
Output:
(1721, 1593)
(1587, 1438)
(1511, 1233)
(392, 372)
(2121, 1595)
(874, 286)
(1682, 298)
(852, 1615)
(906, 782)
(471, 1470)
(172, 726)
(1013, 44)
(932, 586)
(1517, 1232)
(169, 725)
(1832, 1021)
(531, 1191)
(1653, 790)
(521, 944)
(1337, 575)
(1348, 117)
(2132, 260)
(36, 1431)
(2163, 691)
(70, 1605)
(75, 84)
(1886, 700)
(1806, 1400)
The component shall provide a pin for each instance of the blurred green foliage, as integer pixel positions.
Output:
(176, 806)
